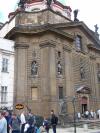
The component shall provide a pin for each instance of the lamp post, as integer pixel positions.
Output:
(73, 101)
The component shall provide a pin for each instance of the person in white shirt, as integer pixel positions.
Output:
(98, 113)
(23, 121)
(3, 123)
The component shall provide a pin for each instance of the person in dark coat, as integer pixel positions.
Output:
(54, 121)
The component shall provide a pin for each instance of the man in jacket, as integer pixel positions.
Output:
(54, 121)
(15, 124)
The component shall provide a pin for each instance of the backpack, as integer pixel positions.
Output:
(31, 129)
(46, 124)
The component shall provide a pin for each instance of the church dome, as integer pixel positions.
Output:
(38, 5)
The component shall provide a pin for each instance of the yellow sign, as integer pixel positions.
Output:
(19, 106)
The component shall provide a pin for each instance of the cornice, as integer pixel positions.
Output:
(31, 29)
(48, 44)
(21, 45)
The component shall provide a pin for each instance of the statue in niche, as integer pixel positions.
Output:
(82, 72)
(75, 15)
(59, 68)
(34, 68)
(63, 106)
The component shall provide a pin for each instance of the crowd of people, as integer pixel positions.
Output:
(89, 114)
(26, 123)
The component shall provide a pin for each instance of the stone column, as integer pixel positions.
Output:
(93, 78)
(20, 83)
(48, 76)
(68, 77)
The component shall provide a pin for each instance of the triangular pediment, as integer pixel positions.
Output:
(83, 27)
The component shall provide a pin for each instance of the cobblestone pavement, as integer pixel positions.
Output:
(78, 130)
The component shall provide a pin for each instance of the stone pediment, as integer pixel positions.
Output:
(82, 26)
(83, 90)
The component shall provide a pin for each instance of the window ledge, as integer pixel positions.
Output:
(4, 71)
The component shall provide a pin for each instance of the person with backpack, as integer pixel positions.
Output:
(30, 127)
(46, 125)
(54, 121)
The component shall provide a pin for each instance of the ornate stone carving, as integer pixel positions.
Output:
(34, 68)
(75, 15)
(59, 68)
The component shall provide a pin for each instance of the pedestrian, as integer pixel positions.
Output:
(30, 127)
(23, 121)
(15, 124)
(54, 121)
(98, 113)
(46, 124)
(86, 114)
(8, 118)
(79, 115)
(91, 114)
(3, 123)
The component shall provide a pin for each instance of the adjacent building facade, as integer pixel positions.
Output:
(6, 73)
(56, 60)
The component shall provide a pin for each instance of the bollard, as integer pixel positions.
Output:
(85, 126)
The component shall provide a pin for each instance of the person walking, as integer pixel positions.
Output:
(3, 123)
(23, 121)
(54, 121)
(15, 124)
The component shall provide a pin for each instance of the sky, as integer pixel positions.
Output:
(89, 10)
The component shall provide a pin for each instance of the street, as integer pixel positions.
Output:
(78, 130)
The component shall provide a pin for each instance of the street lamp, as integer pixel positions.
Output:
(73, 101)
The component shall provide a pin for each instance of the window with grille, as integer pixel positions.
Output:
(4, 65)
(98, 71)
(61, 93)
(3, 94)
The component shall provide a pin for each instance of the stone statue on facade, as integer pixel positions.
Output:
(63, 107)
(21, 4)
(59, 68)
(49, 3)
(75, 15)
(96, 28)
(34, 68)
(82, 72)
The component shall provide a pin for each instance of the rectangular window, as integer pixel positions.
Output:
(34, 93)
(78, 42)
(61, 94)
(98, 72)
(4, 65)
(3, 94)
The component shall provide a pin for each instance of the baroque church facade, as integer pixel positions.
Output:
(56, 59)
